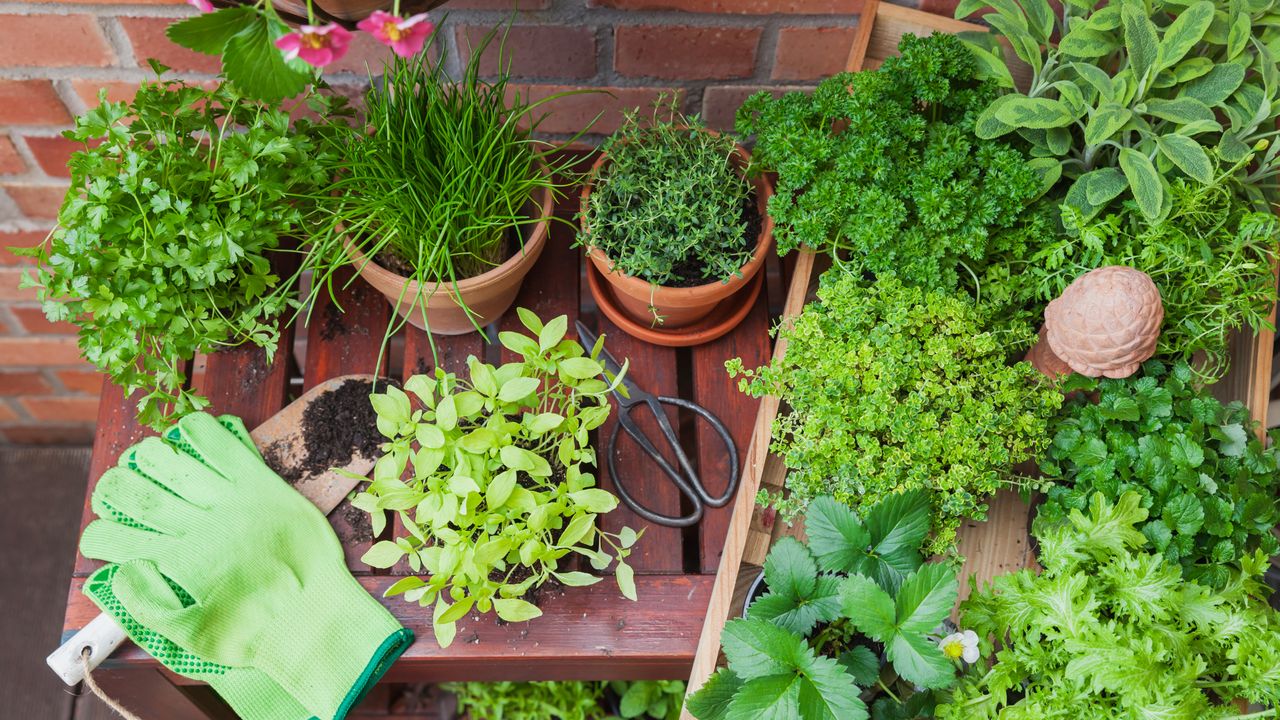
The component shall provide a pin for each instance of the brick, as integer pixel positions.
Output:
(36, 201)
(33, 320)
(117, 90)
(31, 102)
(9, 279)
(11, 163)
(739, 7)
(86, 382)
(535, 51)
(682, 52)
(149, 41)
(811, 53)
(52, 153)
(569, 115)
(24, 383)
(7, 413)
(364, 55)
(46, 434)
(19, 238)
(53, 41)
(61, 409)
(720, 103)
(115, 2)
(42, 352)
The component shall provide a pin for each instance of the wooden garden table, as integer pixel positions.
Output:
(590, 633)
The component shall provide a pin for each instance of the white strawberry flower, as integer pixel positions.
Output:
(961, 646)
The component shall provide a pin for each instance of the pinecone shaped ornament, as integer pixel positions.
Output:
(1105, 324)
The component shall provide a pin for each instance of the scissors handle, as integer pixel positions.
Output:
(687, 482)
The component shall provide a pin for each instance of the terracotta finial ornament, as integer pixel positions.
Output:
(1105, 324)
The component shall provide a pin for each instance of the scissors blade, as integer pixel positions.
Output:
(612, 368)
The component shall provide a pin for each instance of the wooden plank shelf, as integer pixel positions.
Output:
(585, 633)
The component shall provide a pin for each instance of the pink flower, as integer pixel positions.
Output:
(405, 36)
(316, 45)
(203, 6)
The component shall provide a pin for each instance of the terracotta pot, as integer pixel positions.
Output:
(486, 295)
(680, 306)
(344, 12)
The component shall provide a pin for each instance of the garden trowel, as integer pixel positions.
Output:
(281, 440)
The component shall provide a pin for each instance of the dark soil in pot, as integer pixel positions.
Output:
(692, 273)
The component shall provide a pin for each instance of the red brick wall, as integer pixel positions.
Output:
(54, 57)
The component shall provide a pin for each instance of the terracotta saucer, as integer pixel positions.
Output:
(725, 317)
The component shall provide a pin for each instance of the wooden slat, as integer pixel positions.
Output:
(239, 381)
(653, 368)
(343, 339)
(718, 393)
(589, 633)
(117, 429)
(551, 288)
(997, 546)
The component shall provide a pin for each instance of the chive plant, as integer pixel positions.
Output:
(438, 179)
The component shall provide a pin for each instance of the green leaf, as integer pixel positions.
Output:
(862, 664)
(595, 500)
(522, 345)
(926, 597)
(499, 489)
(544, 423)
(1184, 32)
(1182, 111)
(1035, 113)
(1049, 170)
(1040, 19)
(920, 661)
(1105, 122)
(209, 33)
(383, 554)
(515, 609)
(775, 697)
(457, 611)
(898, 526)
(553, 332)
(1140, 38)
(626, 579)
(447, 413)
(1084, 42)
(1102, 186)
(253, 63)
(517, 389)
(576, 579)
(1214, 87)
(1098, 78)
(992, 67)
(758, 648)
(1144, 180)
(1187, 154)
(869, 607)
(829, 693)
(836, 536)
(580, 368)
(410, 582)
(1183, 515)
(790, 569)
(711, 701)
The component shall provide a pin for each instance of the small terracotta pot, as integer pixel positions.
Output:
(486, 295)
(683, 306)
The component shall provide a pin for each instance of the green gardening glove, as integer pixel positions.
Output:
(249, 692)
(265, 572)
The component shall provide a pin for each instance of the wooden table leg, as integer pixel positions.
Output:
(149, 694)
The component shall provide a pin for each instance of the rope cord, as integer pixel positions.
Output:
(85, 654)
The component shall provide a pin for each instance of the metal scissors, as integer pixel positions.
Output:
(687, 482)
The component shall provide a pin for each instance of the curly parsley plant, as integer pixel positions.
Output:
(891, 388)
(883, 169)
(164, 243)
(498, 491)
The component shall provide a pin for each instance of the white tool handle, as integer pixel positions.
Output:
(101, 636)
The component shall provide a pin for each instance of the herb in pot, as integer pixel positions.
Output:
(1206, 481)
(165, 241)
(1212, 259)
(438, 185)
(1108, 630)
(883, 169)
(568, 700)
(1133, 93)
(669, 205)
(498, 491)
(892, 388)
(859, 593)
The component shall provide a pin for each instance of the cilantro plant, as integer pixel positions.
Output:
(670, 205)
(1211, 258)
(498, 491)
(883, 169)
(811, 647)
(892, 388)
(1125, 96)
(1207, 482)
(1108, 630)
(164, 243)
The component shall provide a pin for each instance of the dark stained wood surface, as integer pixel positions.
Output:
(586, 633)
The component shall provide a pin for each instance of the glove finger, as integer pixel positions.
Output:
(236, 427)
(216, 446)
(116, 542)
(124, 491)
(181, 474)
(148, 598)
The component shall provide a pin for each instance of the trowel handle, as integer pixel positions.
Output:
(101, 636)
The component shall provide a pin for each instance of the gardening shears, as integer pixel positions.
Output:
(629, 396)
